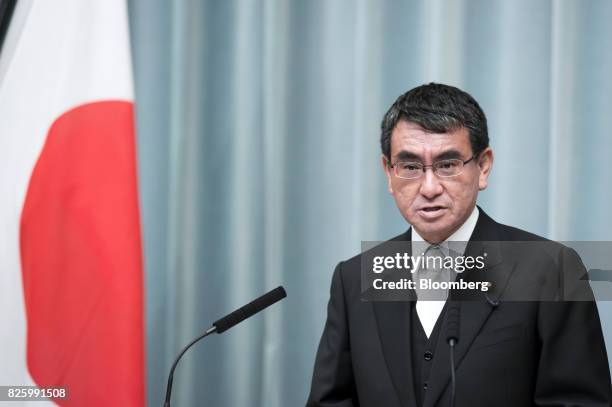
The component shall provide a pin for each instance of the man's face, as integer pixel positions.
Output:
(436, 207)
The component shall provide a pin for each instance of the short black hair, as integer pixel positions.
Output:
(437, 108)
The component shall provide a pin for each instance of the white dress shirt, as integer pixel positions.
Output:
(429, 311)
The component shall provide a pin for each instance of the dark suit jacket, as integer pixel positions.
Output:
(510, 353)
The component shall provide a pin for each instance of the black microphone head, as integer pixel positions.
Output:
(494, 302)
(250, 309)
(452, 321)
(280, 292)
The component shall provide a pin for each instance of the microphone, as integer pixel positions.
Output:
(227, 322)
(452, 323)
(249, 310)
(494, 302)
(452, 338)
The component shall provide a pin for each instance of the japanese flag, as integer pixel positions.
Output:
(70, 247)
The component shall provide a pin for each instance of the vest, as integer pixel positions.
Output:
(423, 352)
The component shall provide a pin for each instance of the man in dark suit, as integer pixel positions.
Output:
(533, 339)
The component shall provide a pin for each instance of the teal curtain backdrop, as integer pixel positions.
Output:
(258, 126)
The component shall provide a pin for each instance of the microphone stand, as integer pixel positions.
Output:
(452, 343)
(228, 321)
(171, 376)
(453, 319)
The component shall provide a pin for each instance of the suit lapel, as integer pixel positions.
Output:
(394, 330)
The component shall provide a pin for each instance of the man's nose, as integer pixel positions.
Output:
(430, 184)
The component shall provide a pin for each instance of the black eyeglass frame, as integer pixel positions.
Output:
(432, 166)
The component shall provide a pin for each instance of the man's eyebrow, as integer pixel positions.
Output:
(407, 156)
(449, 155)
(445, 155)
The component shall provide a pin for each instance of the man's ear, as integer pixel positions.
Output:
(387, 169)
(485, 164)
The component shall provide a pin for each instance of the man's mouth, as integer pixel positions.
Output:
(432, 208)
(431, 212)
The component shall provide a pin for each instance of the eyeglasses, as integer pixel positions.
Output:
(442, 168)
